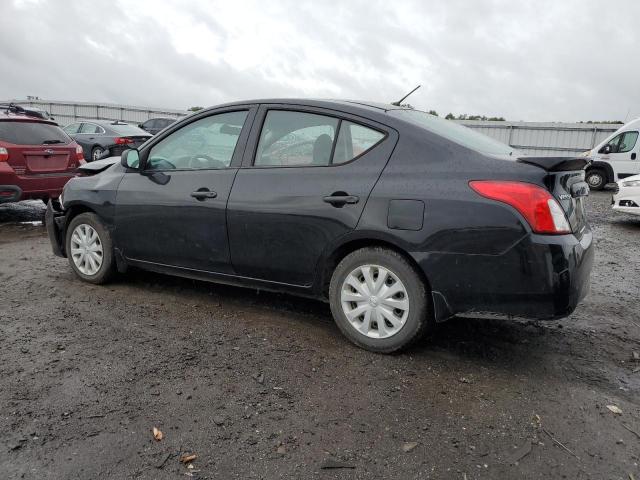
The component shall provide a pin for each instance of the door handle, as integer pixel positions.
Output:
(341, 200)
(203, 194)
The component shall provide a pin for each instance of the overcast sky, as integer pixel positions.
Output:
(563, 60)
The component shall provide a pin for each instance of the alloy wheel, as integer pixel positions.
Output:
(375, 301)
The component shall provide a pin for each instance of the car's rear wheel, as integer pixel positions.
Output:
(89, 249)
(596, 178)
(96, 153)
(379, 300)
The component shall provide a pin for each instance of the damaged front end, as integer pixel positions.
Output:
(56, 223)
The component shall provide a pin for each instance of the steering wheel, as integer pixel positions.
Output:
(205, 161)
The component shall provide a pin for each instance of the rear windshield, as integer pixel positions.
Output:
(455, 132)
(32, 133)
(129, 130)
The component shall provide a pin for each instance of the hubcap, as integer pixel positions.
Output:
(96, 153)
(594, 179)
(86, 249)
(375, 301)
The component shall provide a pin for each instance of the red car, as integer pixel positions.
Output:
(36, 157)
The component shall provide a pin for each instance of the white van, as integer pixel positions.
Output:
(617, 157)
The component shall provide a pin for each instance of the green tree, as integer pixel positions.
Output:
(195, 109)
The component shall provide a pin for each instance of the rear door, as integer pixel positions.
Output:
(173, 213)
(306, 176)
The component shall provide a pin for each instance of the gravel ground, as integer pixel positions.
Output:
(262, 385)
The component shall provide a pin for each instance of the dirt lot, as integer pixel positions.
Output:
(261, 385)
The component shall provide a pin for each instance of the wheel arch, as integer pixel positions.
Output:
(348, 245)
(606, 167)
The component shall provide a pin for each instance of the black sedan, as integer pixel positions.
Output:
(101, 138)
(398, 218)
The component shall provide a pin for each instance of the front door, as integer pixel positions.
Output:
(625, 150)
(173, 213)
(305, 179)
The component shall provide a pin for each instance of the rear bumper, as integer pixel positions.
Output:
(541, 277)
(56, 222)
(10, 193)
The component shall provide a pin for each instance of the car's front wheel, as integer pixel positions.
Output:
(596, 178)
(379, 300)
(89, 248)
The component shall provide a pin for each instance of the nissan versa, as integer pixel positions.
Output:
(398, 218)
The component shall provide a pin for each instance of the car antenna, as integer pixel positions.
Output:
(397, 104)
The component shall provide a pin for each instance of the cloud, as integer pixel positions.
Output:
(525, 60)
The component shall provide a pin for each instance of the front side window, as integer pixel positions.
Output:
(205, 144)
(91, 128)
(612, 144)
(627, 142)
(72, 129)
(296, 139)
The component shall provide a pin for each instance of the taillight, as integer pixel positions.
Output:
(4, 154)
(79, 154)
(123, 141)
(536, 204)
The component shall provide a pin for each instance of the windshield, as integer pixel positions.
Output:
(126, 129)
(32, 133)
(455, 132)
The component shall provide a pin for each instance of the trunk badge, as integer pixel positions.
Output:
(48, 151)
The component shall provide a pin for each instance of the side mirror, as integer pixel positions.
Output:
(607, 149)
(130, 159)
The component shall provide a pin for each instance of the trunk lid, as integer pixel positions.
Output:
(565, 181)
(41, 160)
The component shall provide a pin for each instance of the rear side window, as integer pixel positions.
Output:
(354, 140)
(32, 133)
(296, 139)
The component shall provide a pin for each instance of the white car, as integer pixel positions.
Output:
(626, 198)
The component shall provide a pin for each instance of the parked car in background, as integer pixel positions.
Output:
(101, 138)
(154, 125)
(626, 198)
(36, 157)
(616, 158)
(398, 218)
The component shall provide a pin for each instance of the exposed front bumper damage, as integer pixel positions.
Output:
(56, 223)
(542, 277)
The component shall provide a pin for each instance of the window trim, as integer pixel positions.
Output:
(240, 108)
(314, 111)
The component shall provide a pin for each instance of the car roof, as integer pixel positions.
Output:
(371, 110)
(13, 117)
(104, 122)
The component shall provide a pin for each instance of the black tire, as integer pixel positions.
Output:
(96, 153)
(107, 268)
(418, 320)
(596, 178)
